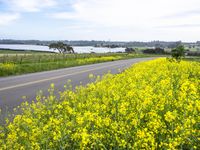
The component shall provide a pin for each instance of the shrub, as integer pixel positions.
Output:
(178, 52)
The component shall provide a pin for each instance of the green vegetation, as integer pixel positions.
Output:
(15, 64)
(152, 105)
(197, 59)
(192, 48)
(23, 52)
(178, 53)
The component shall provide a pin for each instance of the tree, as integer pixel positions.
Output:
(130, 50)
(154, 51)
(61, 47)
(174, 44)
(178, 52)
(69, 49)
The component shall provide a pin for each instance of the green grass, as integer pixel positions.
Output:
(197, 59)
(22, 63)
(8, 51)
(196, 48)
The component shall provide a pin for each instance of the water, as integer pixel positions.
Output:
(77, 49)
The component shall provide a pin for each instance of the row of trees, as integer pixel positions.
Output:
(61, 47)
(177, 52)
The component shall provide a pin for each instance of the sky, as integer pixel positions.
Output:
(109, 20)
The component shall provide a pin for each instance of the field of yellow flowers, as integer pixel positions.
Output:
(152, 105)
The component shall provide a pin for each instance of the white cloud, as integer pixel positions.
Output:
(65, 15)
(29, 5)
(182, 26)
(130, 13)
(134, 19)
(111, 19)
(7, 18)
(16, 7)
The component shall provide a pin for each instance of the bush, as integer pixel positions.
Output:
(154, 51)
(178, 52)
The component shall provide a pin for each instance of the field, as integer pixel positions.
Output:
(195, 48)
(14, 52)
(19, 63)
(192, 59)
(152, 105)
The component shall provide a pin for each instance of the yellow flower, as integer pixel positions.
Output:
(80, 120)
(169, 116)
(151, 105)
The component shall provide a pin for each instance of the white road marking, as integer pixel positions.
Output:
(52, 78)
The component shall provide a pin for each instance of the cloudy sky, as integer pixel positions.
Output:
(119, 20)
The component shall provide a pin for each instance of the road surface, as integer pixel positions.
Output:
(13, 88)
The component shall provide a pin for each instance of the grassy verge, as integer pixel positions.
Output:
(197, 59)
(152, 105)
(15, 64)
(14, 52)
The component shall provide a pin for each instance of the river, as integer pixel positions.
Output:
(77, 49)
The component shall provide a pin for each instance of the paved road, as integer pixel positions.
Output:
(13, 88)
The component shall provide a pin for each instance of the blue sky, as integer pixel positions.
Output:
(119, 20)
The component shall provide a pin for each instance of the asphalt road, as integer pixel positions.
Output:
(13, 88)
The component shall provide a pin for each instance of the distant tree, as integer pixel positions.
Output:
(61, 47)
(69, 48)
(174, 44)
(154, 51)
(178, 52)
(130, 50)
